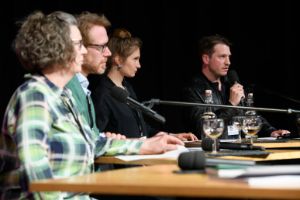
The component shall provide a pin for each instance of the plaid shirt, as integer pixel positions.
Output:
(44, 137)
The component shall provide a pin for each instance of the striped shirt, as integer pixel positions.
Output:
(44, 136)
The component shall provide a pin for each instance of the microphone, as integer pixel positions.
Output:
(207, 145)
(123, 96)
(232, 78)
(187, 104)
(193, 161)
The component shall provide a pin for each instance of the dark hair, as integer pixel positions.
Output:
(44, 40)
(207, 44)
(121, 43)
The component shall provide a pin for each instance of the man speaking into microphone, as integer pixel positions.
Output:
(215, 53)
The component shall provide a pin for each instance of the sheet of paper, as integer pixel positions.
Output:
(284, 181)
(260, 171)
(170, 155)
(267, 139)
(228, 140)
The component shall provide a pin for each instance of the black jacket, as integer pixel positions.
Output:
(195, 93)
(116, 116)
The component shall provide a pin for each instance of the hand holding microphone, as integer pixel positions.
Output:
(237, 94)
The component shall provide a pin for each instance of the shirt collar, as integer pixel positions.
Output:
(42, 78)
(84, 82)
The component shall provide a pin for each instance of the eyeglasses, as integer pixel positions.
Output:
(100, 47)
(79, 43)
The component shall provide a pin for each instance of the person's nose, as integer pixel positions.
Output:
(138, 65)
(107, 52)
(83, 50)
(227, 61)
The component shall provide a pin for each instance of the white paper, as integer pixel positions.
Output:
(260, 171)
(232, 130)
(230, 173)
(169, 155)
(267, 139)
(287, 181)
(228, 140)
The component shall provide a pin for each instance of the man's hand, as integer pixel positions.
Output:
(279, 133)
(185, 136)
(160, 144)
(236, 94)
(160, 133)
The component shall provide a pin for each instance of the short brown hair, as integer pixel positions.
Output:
(207, 44)
(87, 20)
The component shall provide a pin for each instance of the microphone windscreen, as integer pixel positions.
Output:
(232, 77)
(119, 93)
(207, 143)
(193, 160)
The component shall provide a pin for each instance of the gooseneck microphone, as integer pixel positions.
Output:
(187, 104)
(231, 78)
(123, 96)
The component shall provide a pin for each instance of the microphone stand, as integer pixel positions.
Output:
(153, 102)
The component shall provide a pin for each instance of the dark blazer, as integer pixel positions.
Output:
(195, 92)
(116, 116)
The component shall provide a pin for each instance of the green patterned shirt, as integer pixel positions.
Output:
(44, 137)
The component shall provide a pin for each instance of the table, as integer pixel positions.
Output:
(275, 155)
(160, 180)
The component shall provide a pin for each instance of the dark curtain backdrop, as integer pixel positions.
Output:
(265, 47)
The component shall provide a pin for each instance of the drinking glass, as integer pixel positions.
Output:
(213, 128)
(251, 126)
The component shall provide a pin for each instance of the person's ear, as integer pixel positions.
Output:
(205, 58)
(118, 60)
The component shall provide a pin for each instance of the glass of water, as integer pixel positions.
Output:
(251, 126)
(213, 128)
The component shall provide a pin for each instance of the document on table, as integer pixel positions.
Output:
(282, 181)
(258, 171)
(274, 176)
(169, 155)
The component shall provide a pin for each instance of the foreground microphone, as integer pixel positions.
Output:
(207, 145)
(193, 161)
(123, 96)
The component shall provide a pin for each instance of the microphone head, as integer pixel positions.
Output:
(207, 143)
(193, 160)
(232, 77)
(119, 94)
